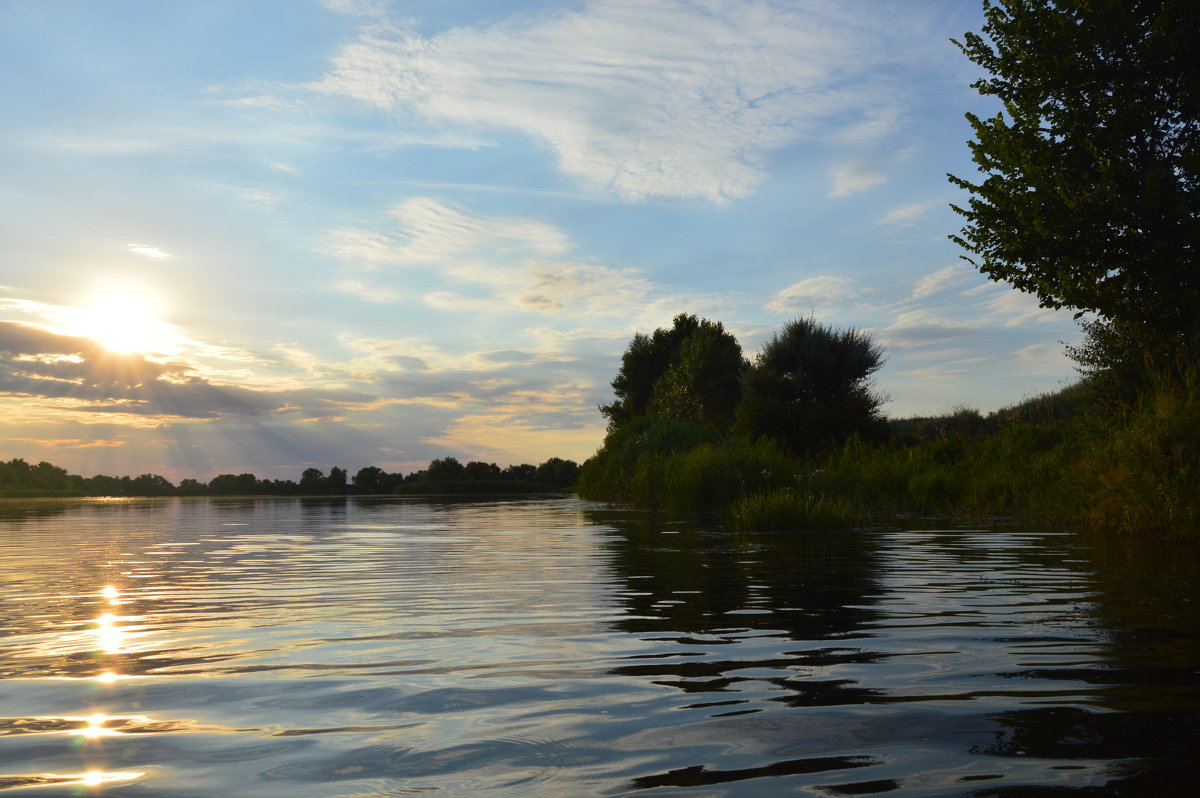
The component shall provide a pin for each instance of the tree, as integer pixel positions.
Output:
(192, 487)
(234, 484)
(369, 480)
(690, 370)
(477, 470)
(1089, 198)
(704, 383)
(336, 481)
(312, 482)
(809, 388)
(524, 472)
(557, 472)
(447, 469)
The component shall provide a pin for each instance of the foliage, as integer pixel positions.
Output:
(709, 477)
(20, 479)
(689, 371)
(703, 383)
(1090, 197)
(612, 473)
(447, 469)
(787, 509)
(474, 487)
(1144, 474)
(809, 388)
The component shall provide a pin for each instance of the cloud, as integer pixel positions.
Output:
(936, 282)
(921, 328)
(148, 251)
(906, 215)
(642, 98)
(851, 178)
(368, 291)
(1049, 359)
(424, 231)
(77, 374)
(513, 265)
(584, 290)
(1009, 307)
(812, 293)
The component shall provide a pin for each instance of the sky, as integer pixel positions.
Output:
(268, 235)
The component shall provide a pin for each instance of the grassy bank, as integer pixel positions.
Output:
(1063, 458)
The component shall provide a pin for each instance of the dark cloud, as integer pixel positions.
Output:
(41, 364)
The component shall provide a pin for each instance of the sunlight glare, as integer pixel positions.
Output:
(125, 320)
(95, 727)
(110, 636)
(94, 778)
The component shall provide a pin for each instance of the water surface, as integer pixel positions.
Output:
(287, 647)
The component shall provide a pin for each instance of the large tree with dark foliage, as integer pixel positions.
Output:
(691, 370)
(810, 388)
(1088, 197)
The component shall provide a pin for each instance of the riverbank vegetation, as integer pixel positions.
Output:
(19, 479)
(1078, 456)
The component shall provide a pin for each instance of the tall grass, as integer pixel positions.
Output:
(1144, 475)
(789, 509)
(1060, 459)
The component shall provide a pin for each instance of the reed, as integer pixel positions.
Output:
(788, 509)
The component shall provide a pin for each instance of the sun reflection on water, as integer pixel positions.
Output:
(110, 637)
(94, 778)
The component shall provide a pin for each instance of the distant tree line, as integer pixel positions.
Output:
(445, 475)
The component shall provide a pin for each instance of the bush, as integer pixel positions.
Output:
(1144, 474)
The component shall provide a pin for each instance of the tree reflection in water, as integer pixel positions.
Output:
(1093, 645)
(702, 589)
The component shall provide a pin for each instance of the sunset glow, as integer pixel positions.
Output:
(124, 321)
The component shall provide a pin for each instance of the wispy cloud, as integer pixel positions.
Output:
(423, 230)
(493, 265)
(922, 328)
(643, 98)
(906, 215)
(149, 251)
(939, 281)
(812, 294)
(854, 177)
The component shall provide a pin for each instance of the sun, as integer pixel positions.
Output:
(125, 320)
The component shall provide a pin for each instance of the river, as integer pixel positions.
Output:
(554, 647)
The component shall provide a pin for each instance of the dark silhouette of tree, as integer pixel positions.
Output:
(809, 388)
(152, 485)
(1091, 192)
(336, 481)
(233, 485)
(477, 470)
(557, 473)
(447, 469)
(371, 480)
(524, 472)
(312, 481)
(690, 371)
(191, 487)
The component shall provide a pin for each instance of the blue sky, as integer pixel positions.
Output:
(272, 234)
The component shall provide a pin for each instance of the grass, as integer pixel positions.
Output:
(1061, 459)
(788, 509)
